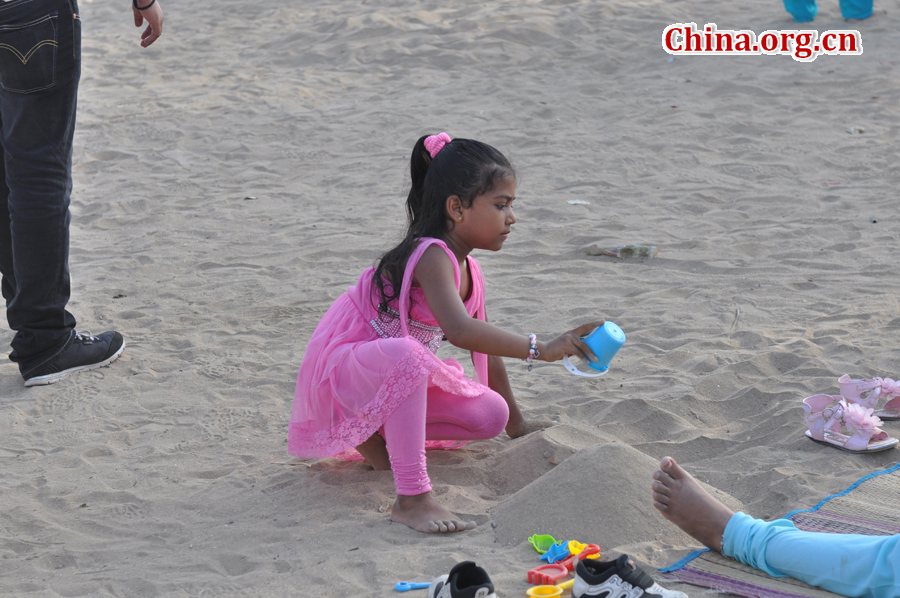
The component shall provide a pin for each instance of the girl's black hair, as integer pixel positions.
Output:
(465, 168)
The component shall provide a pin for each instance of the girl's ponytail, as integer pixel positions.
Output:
(419, 162)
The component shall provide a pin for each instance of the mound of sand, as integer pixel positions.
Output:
(575, 499)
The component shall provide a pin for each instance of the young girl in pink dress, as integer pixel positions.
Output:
(370, 378)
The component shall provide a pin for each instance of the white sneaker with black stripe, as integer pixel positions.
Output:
(620, 578)
(465, 580)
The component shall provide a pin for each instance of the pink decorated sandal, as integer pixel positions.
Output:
(829, 415)
(881, 388)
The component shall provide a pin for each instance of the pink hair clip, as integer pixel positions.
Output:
(436, 143)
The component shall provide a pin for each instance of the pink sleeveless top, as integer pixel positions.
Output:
(361, 364)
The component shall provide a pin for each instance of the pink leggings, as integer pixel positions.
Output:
(433, 414)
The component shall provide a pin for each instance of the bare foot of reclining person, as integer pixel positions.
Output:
(422, 513)
(683, 501)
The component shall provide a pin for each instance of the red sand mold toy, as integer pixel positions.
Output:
(547, 575)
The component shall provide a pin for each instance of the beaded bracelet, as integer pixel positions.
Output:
(134, 4)
(533, 351)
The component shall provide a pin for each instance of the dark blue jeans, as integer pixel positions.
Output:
(40, 65)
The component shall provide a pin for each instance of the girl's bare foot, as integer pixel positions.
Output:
(683, 501)
(422, 513)
(374, 451)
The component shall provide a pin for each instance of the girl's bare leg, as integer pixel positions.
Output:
(374, 451)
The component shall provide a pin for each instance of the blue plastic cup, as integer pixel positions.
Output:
(605, 342)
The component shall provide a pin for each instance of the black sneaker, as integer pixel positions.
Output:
(465, 580)
(616, 579)
(83, 352)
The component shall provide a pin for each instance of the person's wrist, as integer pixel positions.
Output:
(541, 351)
(134, 3)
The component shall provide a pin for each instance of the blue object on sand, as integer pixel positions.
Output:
(556, 553)
(405, 586)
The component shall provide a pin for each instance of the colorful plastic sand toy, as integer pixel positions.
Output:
(589, 550)
(405, 586)
(576, 547)
(556, 553)
(605, 342)
(549, 591)
(547, 575)
(542, 542)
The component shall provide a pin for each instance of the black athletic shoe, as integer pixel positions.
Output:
(616, 579)
(465, 580)
(83, 352)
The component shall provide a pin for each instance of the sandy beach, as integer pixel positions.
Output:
(236, 177)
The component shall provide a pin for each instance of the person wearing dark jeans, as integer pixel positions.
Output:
(40, 66)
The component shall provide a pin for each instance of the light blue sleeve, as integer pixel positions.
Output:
(847, 564)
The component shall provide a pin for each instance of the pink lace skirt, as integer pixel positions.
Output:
(351, 380)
